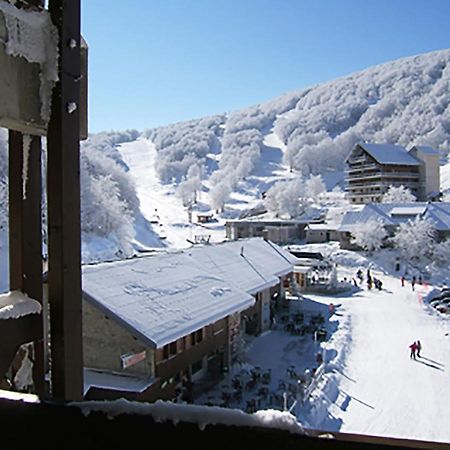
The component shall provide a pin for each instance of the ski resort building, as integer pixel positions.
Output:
(277, 230)
(392, 215)
(152, 322)
(373, 168)
(316, 233)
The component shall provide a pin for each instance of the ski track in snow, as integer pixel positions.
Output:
(380, 390)
(158, 201)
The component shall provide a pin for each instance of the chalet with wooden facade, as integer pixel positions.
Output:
(373, 168)
(151, 322)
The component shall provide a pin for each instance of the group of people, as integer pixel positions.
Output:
(415, 349)
(371, 280)
(414, 280)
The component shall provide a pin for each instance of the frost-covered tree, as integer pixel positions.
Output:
(287, 198)
(314, 186)
(398, 194)
(184, 144)
(187, 190)
(415, 239)
(220, 193)
(441, 253)
(370, 235)
(104, 213)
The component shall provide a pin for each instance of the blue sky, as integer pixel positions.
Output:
(156, 62)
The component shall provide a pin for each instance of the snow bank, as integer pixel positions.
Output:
(16, 304)
(202, 415)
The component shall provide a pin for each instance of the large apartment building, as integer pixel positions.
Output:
(373, 168)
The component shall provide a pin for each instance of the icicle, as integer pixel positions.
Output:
(26, 156)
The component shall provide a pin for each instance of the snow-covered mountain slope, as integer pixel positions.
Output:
(404, 101)
(228, 162)
(238, 156)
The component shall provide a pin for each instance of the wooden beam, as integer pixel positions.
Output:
(32, 246)
(64, 245)
(21, 85)
(25, 236)
(15, 157)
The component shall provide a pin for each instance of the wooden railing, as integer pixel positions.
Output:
(66, 426)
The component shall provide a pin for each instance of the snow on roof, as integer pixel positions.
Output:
(390, 154)
(302, 269)
(162, 411)
(395, 213)
(320, 226)
(268, 221)
(439, 213)
(250, 264)
(426, 149)
(115, 381)
(408, 210)
(162, 298)
(16, 304)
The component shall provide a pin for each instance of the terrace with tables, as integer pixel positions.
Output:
(277, 368)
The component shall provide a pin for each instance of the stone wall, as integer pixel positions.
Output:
(104, 342)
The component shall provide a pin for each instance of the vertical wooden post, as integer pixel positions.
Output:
(15, 156)
(64, 274)
(32, 248)
(25, 237)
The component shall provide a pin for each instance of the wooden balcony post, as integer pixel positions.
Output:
(64, 274)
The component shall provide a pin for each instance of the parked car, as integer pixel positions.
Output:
(435, 302)
(443, 308)
(442, 296)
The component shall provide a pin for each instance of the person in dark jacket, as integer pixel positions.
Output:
(419, 348)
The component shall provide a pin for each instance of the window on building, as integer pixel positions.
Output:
(170, 350)
(197, 366)
(197, 337)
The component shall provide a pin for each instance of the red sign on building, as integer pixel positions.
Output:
(129, 359)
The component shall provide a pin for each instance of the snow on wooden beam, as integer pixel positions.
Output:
(28, 58)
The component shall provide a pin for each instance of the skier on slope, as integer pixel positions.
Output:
(413, 348)
(419, 348)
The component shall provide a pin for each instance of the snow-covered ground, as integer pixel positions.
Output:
(158, 202)
(370, 385)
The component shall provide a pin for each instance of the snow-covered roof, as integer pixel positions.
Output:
(251, 264)
(439, 213)
(392, 214)
(162, 298)
(320, 226)
(408, 210)
(426, 149)
(115, 381)
(390, 154)
(269, 222)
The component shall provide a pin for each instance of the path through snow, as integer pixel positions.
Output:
(378, 389)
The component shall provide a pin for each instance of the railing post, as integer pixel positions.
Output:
(25, 230)
(64, 280)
